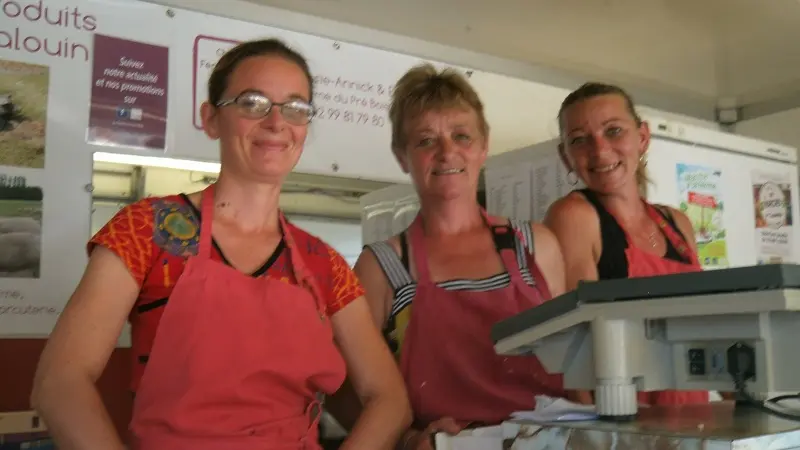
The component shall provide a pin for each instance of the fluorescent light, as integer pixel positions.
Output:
(153, 161)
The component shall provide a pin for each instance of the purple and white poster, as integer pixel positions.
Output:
(129, 94)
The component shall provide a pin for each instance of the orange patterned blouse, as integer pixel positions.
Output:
(155, 236)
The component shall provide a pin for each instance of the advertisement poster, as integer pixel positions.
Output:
(701, 200)
(129, 94)
(772, 204)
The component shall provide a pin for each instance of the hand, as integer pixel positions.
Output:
(580, 397)
(423, 440)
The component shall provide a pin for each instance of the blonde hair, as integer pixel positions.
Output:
(642, 180)
(423, 89)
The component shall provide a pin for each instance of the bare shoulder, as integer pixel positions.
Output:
(572, 206)
(574, 220)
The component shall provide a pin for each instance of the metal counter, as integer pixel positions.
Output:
(713, 426)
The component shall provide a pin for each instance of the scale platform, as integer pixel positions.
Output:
(740, 279)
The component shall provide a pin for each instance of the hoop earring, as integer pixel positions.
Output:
(569, 180)
(643, 159)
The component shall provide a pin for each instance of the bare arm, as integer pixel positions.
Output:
(76, 354)
(576, 226)
(375, 378)
(549, 258)
(376, 286)
(344, 405)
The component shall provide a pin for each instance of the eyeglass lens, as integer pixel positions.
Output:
(256, 105)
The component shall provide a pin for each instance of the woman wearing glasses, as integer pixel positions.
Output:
(240, 320)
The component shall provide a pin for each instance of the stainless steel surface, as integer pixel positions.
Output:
(714, 426)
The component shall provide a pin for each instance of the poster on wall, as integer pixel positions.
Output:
(701, 200)
(23, 113)
(129, 94)
(772, 205)
(20, 227)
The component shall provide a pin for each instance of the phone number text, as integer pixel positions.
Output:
(344, 115)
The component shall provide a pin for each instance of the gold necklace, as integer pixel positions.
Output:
(653, 240)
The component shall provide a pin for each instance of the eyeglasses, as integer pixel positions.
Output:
(255, 105)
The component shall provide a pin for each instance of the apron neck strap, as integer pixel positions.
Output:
(206, 219)
(679, 243)
(298, 267)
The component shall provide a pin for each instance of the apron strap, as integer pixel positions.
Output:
(505, 240)
(298, 267)
(678, 242)
(207, 217)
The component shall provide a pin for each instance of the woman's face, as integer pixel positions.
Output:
(263, 148)
(602, 143)
(444, 153)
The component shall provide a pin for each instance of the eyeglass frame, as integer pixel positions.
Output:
(234, 100)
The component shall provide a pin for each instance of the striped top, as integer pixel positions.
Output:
(405, 288)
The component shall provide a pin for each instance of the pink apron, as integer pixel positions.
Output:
(237, 362)
(643, 264)
(448, 358)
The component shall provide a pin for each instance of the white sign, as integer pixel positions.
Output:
(350, 135)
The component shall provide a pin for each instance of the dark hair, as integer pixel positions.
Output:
(218, 81)
(591, 90)
(424, 88)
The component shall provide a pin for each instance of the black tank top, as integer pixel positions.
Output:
(613, 263)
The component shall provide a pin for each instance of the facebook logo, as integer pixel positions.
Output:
(129, 113)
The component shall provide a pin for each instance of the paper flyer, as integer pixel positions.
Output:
(772, 205)
(701, 200)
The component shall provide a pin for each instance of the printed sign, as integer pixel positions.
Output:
(772, 204)
(129, 94)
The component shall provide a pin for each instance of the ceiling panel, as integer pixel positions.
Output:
(710, 48)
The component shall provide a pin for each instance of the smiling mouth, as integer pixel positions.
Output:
(606, 169)
(448, 171)
(270, 146)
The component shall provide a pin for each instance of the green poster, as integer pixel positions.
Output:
(701, 200)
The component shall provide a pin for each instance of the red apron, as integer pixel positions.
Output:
(448, 359)
(237, 361)
(643, 264)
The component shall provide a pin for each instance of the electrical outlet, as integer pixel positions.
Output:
(741, 359)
